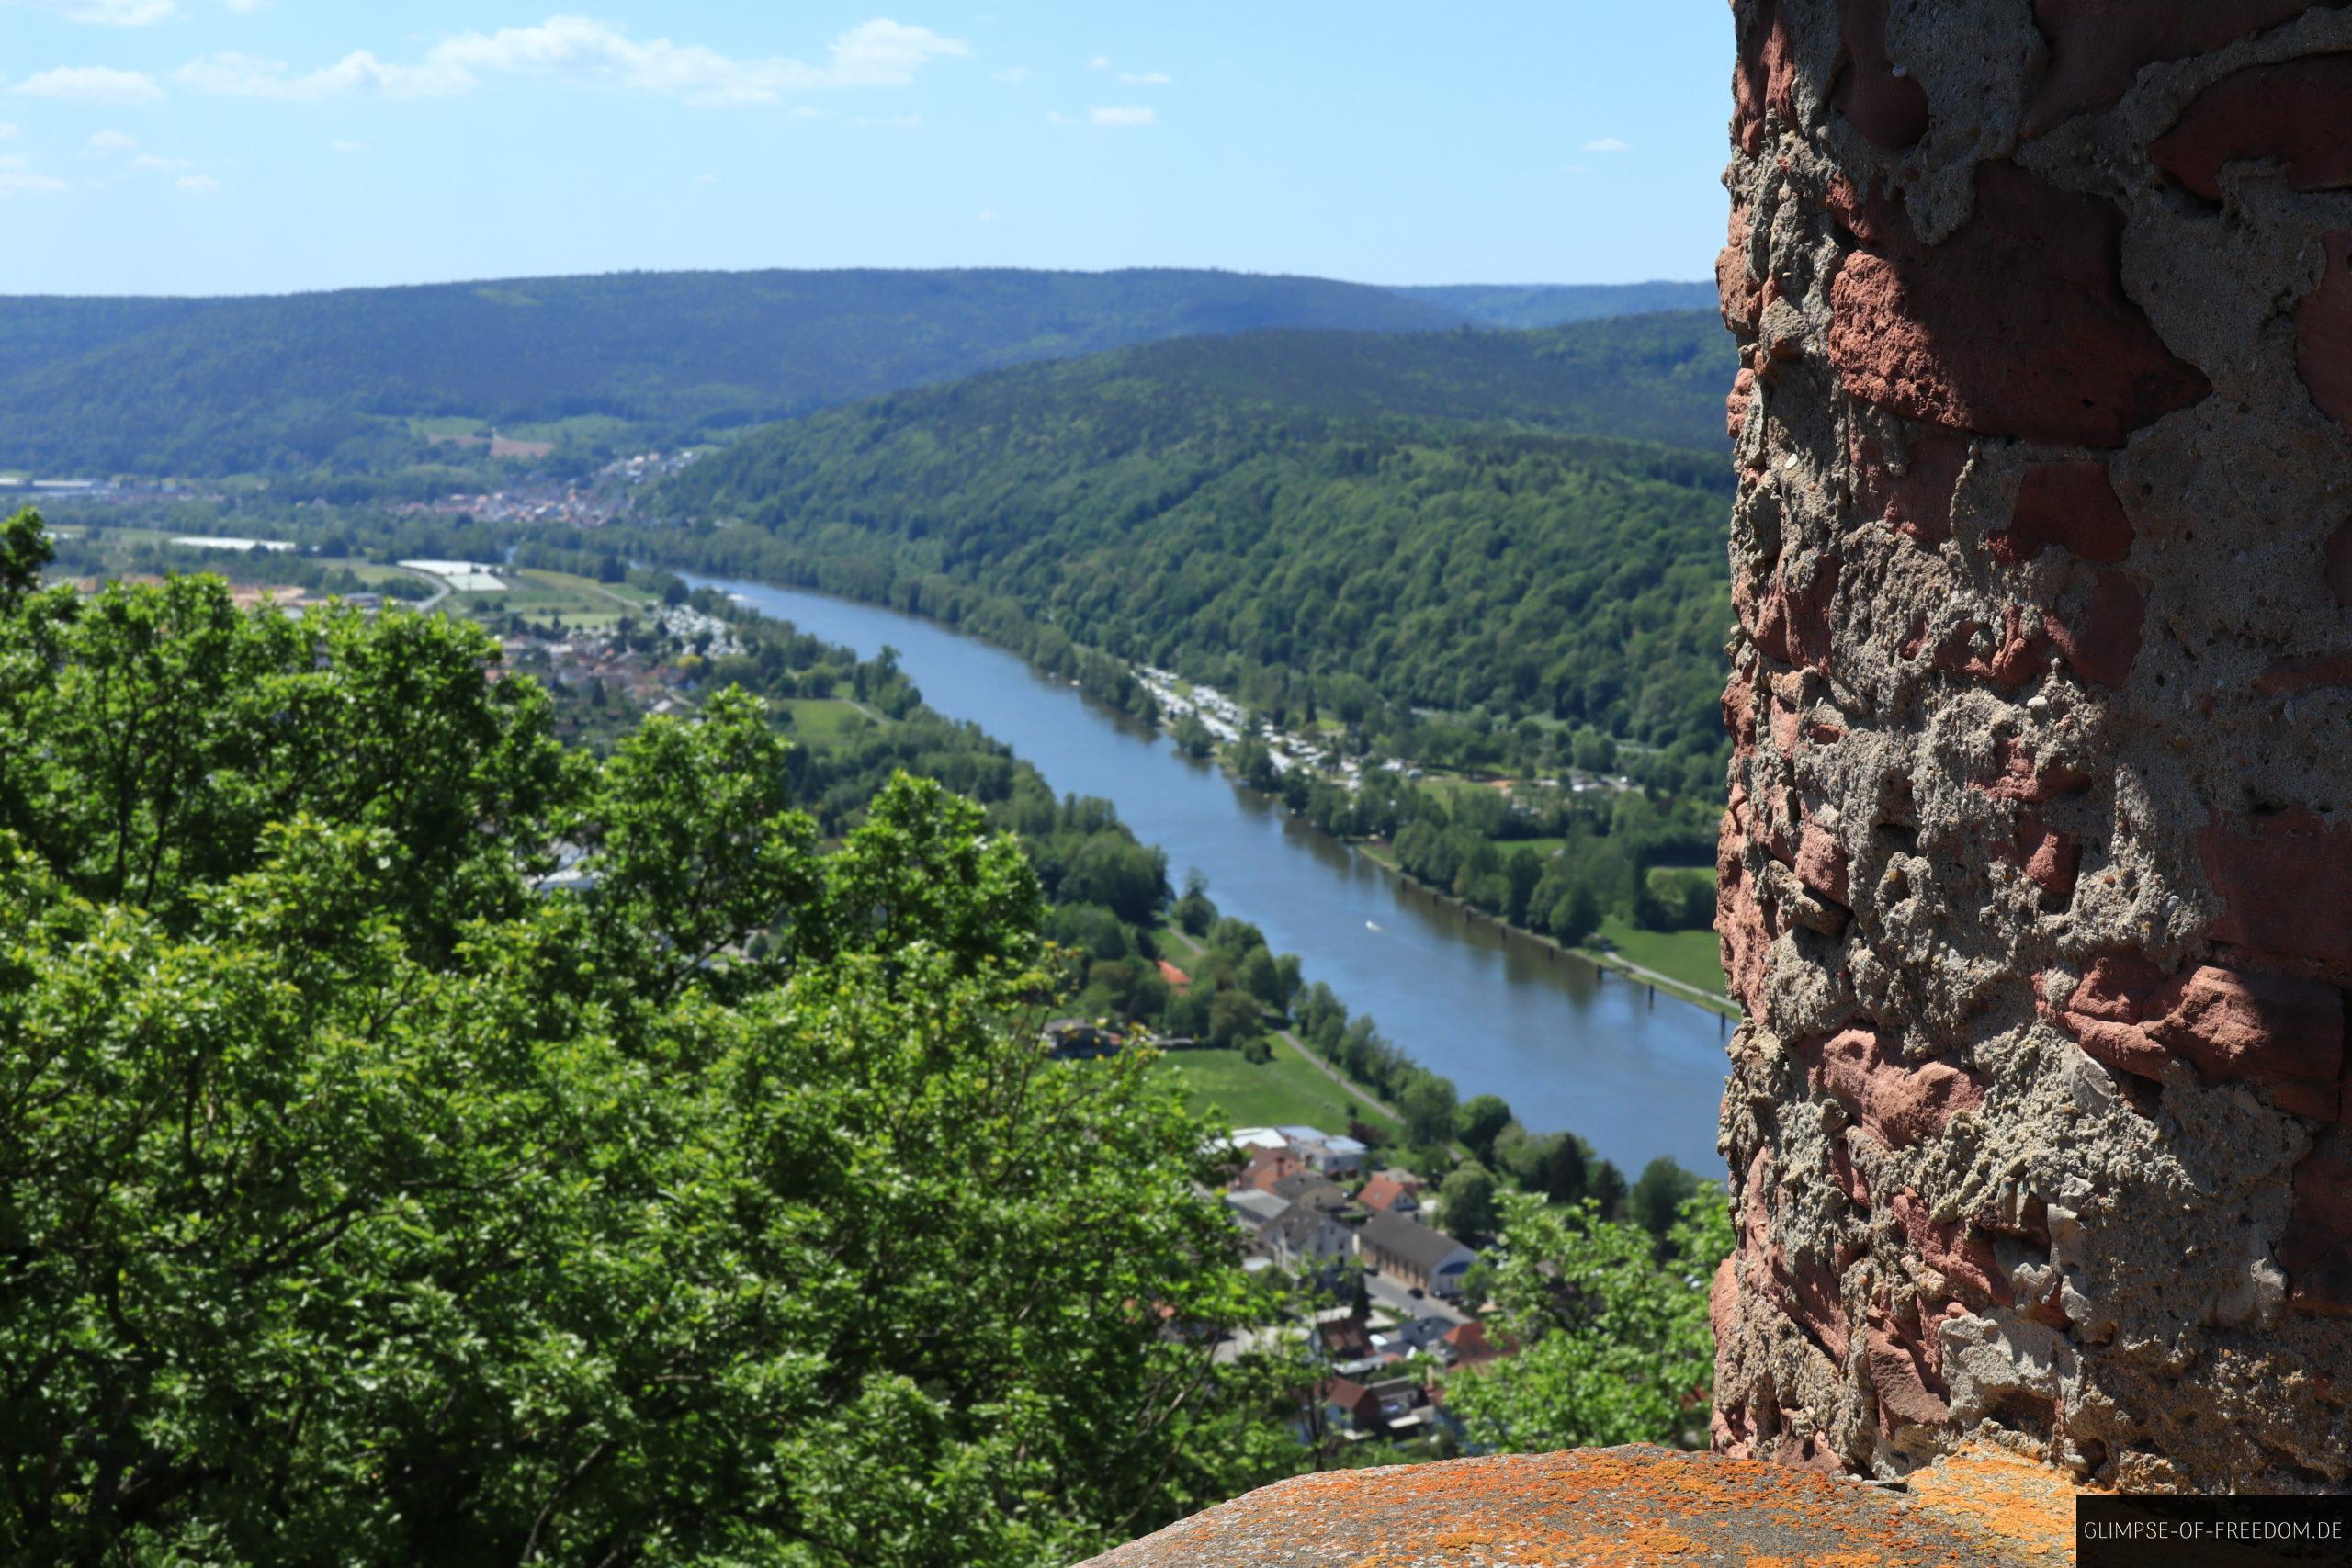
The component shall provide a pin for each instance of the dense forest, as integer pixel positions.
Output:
(283, 385)
(1514, 305)
(1317, 504)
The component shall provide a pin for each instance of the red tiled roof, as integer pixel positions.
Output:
(1469, 1343)
(1266, 1168)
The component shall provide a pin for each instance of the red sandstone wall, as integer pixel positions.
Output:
(2037, 877)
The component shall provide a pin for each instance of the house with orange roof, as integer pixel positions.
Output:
(1385, 1194)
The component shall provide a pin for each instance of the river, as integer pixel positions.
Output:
(1635, 1074)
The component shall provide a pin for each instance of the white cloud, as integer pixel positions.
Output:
(106, 13)
(1127, 116)
(1100, 63)
(886, 54)
(705, 179)
(18, 177)
(1146, 78)
(1014, 73)
(7, 132)
(1056, 117)
(91, 85)
(879, 53)
(113, 144)
(199, 184)
(1607, 144)
(988, 217)
(243, 7)
(340, 145)
(238, 75)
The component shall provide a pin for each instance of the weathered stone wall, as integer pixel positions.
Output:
(2037, 875)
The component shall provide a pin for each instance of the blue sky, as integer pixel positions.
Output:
(219, 146)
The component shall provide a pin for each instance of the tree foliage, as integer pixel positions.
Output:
(359, 1202)
(1611, 1342)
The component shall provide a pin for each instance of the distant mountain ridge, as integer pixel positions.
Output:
(267, 384)
(1524, 305)
(333, 381)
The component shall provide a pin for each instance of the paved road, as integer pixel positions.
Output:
(1395, 1298)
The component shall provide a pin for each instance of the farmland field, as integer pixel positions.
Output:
(580, 603)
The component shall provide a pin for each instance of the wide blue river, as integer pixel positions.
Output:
(1636, 1075)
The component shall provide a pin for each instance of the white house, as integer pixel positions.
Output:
(1306, 1241)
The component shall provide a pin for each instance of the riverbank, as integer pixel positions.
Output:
(1602, 959)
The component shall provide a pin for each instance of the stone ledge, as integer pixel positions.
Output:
(1625, 1509)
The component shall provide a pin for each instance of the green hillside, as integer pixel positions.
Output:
(1557, 304)
(1316, 504)
(39, 331)
(300, 382)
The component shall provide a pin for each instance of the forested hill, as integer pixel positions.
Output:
(1653, 377)
(293, 382)
(1557, 304)
(1312, 505)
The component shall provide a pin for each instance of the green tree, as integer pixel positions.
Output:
(697, 843)
(1574, 914)
(1194, 911)
(1233, 1019)
(1427, 1103)
(1565, 1168)
(1659, 1194)
(1263, 979)
(1606, 1183)
(1612, 1343)
(1466, 1201)
(1481, 1122)
(1255, 765)
(1191, 736)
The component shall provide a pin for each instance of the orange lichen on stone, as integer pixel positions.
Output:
(2030, 1505)
(1611, 1508)
(1663, 1544)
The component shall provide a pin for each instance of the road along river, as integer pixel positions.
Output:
(1637, 1073)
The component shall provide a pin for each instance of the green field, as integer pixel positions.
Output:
(1286, 1089)
(543, 596)
(587, 428)
(367, 572)
(1691, 957)
(430, 426)
(820, 721)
